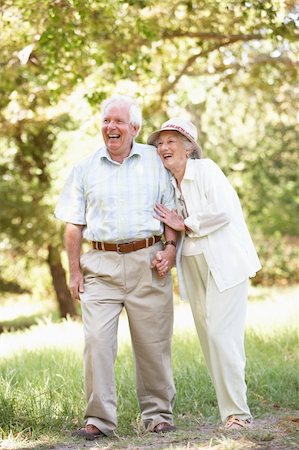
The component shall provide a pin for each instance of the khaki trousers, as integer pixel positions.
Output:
(113, 281)
(220, 323)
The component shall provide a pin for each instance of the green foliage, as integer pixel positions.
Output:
(25, 181)
(279, 256)
(273, 201)
(69, 44)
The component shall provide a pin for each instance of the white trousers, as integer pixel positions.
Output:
(220, 323)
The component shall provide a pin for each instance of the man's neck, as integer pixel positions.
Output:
(119, 158)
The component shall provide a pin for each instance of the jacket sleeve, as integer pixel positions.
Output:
(213, 207)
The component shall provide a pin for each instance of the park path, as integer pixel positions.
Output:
(279, 432)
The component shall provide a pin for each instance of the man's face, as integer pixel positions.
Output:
(117, 131)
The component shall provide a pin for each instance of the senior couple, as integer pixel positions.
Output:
(139, 218)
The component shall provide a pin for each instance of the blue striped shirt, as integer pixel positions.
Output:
(115, 201)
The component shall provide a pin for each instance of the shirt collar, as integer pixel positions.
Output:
(104, 154)
(188, 175)
(190, 170)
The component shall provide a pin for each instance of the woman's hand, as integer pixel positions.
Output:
(170, 217)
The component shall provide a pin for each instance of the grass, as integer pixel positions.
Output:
(41, 380)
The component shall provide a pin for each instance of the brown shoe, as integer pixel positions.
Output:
(90, 432)
(163, 427)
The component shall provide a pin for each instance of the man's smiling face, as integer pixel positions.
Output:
(117, 131)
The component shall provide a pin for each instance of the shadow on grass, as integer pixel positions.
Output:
(23, 322)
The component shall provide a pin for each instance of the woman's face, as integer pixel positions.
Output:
(171, 150)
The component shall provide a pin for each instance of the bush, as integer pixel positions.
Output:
(279, 257)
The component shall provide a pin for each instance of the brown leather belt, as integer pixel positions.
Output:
(126, 247)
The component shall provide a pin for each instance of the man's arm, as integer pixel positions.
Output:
(165, 259)
(170, 248)
(73, 239)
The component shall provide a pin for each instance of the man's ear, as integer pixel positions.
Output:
(135, 129)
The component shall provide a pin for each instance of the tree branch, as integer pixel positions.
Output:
(262, 58)
(224, 41)
(259, 60)
(213, 36)
(189, 62)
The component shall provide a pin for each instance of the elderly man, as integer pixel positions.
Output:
(109, 200)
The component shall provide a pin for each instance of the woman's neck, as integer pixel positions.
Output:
(179, 174)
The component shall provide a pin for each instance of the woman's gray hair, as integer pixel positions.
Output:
(134, 109)
(193, 152)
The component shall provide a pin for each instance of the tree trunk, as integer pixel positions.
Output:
(64, 299)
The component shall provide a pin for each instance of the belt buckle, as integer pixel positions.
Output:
(118, 248)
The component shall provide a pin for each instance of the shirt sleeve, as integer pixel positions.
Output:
(215, 210)
(168, 194)
(71, 206)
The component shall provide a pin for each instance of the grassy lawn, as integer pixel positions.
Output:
(41, 384)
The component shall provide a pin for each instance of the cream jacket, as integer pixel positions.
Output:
(215, 216)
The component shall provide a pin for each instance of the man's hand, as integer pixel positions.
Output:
(164, 260)
(76, 284)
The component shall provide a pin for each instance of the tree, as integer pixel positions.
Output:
(233, 47)
(25, 215)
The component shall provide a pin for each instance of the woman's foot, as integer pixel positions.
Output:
(236, 423)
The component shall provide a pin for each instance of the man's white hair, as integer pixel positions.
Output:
(134, 109)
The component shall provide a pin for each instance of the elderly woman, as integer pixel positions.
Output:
(215, 257)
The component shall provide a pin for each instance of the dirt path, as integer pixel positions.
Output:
(270, 433)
